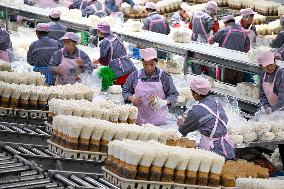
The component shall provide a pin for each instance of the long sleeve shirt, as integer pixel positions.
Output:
(200, 119)
(169, 88)
(41, 51)
(278, 89)
(57, 58)
(5, 41)
(207, 21)
(278, 41)
(95, 8)
(160, 27)
(238, 41)
(78, 4)
(56, 30)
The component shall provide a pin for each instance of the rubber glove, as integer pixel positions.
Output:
(211, 40)
(158, 103)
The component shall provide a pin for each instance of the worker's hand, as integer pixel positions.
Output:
(157, 103)
(136, 101)
(79, 61)
(95, 62)
(268, 110)
(77, 78)
(58, 69)
(211, 40)
(180, 120)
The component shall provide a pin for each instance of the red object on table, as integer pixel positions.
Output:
(121, 80)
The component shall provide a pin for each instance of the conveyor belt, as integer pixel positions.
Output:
(43, 156)
(221, 56)
(23, 133)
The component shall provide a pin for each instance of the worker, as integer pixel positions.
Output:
(69, 62)
(78, 4)
(113, 54)
(151, 90)
(56, 29)
(234, 37)
(182, 17)
(203, 22)
(41, 50)
(247, 23)
(5, 45)
(95, 7)
(271, 93)
(156, 23)
(278, 42)
(209, 117)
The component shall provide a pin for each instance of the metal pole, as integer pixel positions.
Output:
(7, 19)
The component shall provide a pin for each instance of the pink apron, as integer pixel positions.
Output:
(145, 112)
(200, 38)
(268, 90)
(206, 142)
(70, 71)
(218, 71)
(4, 55)
(157, 21)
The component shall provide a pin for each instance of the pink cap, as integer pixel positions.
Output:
(282, 20)
(103, 27)
(72, 36)
(247, 12)
(150, 5)
(212, 5)
(184, 6)
(200, 85)
(55, 13)
(265, 58)
(42, 27)
(227, 18)
(148, 54)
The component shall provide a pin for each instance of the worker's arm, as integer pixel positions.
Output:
(262, 96)
(169, 88)
(247, 44)
(278, 41)
(55, 61)
(218, 37)
(129, 86)
(175, 20)
(30, 58)
(167, 27)
(146, 24)
(279, 90)
(87, 11)
(104, 53)
(87, 66)
(190, 123)
(130, 2)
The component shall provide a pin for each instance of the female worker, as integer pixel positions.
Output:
(114, 5)
(209, 117)
(247, 23)
(151, 90)
(78, 4)
(182, 17)
(67, 63)
(278, 42)
(5, 45)
(113, 54)
(271, 93)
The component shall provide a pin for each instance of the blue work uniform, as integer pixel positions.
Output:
(95, 8)
(40, 53)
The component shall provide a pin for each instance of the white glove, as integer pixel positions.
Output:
(158, 103)
(268, 110)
